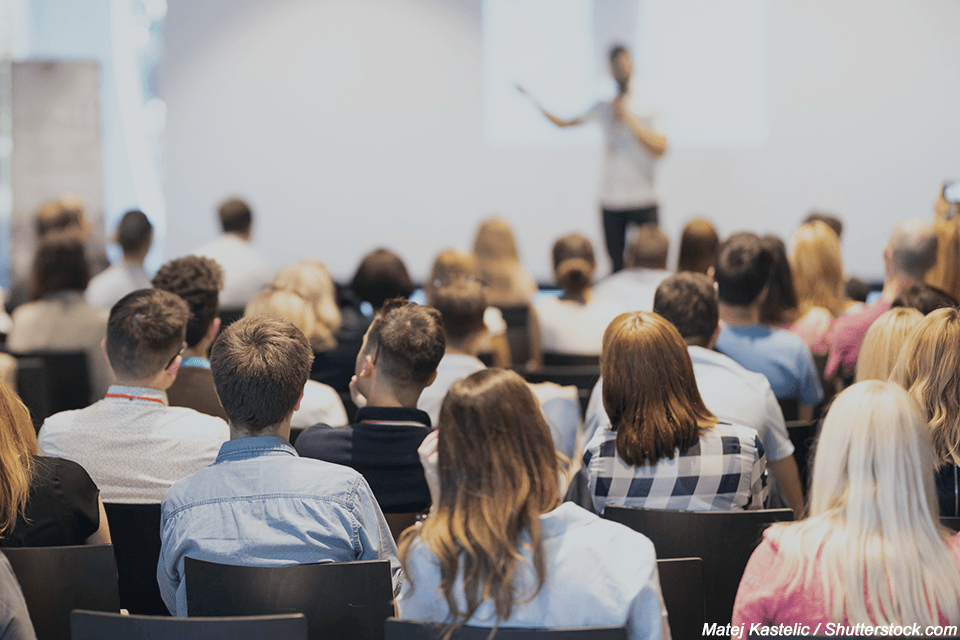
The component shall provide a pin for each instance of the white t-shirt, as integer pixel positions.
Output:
(116, 281)
(245, 271)
(628, 167)
(320, 405)
(570, 327)
(634, 289)
(452, 367)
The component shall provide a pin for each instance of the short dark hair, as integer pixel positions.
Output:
(134, 232)
(461, 303)
(649, 249)
(235, 216)
(828, 219)
(380, 277)
(780, 305)
(924, 298)
(689, 302)
(60, 264)
(743, 269)
(198, 281)
(259, 367)
(408, 340)
(145, 332)
(616, 50)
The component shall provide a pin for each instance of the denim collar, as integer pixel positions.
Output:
(254, 447)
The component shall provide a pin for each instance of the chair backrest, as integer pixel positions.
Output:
(790, 408)
(412, 630)
(135, 532)
(51, 382)
(724, 539)
(950, 522)
(340, 600)
(551, 359)
(400, 522)
(803, 435)
(91, 625)
(681, 583)
(583, 377)
(518, 335)
(56, 580)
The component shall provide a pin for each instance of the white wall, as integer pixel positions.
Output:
(354, 124)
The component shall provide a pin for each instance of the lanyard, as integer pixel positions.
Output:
(128, 397)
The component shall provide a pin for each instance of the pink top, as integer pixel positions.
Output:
(848, 333)
(760, 599)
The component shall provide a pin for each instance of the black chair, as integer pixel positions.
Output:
(135, 532)
(803, 435)
(681, 582)
(90, 625)
(412, 630)
(340, 600)
(724, 539)
(51, 382)
(518, 333)
(56, 580)
(551, 359)
(790, 408)
(950, 522)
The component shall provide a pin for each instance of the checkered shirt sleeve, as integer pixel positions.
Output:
(725, 469)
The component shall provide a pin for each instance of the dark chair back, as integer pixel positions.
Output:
(51, 382)
(518, 335)
(90, 625)
(229, 316)
(400, 522)
(135, 532)
(724, 539)
(950, 522)
(340, 600)
(790, 408)
(56, 580)
(412, 630)
(803, 436)
(551, 359)
(681, 582)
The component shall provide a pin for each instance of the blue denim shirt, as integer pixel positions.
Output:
(261, 504)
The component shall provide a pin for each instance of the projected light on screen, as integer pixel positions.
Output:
(700, 66)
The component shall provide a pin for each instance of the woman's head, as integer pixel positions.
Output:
(817, 268)
(698, 246)
(883, 342)
(450, 264)
(18, 445)
(780, 305)
(381, 276)
(498, 473)
(499, 267)
(574, 263)
(929, 369)
(59, 265)
(649, 390)
(310, 279)
(281, 304)
(495, 241)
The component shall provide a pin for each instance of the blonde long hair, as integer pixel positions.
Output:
(929, 369)
(818, 269)
(873, 533)
(509, 282)
(18, 446)
(310, 280)
(498, 473)
(883, 342)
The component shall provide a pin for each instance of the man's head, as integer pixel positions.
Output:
(461, 303)
(402, 348)
(743, 269)
(649, 249)
(912, 249)
(63, 214)
(688, 301)
(621, 66)
(235, 217)
(259, 367)
(145, 334)
(135, 234)
(198, 281)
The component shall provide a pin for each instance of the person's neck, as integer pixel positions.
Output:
(199, 350)
(469, 346)
(737, 316)
(133, 260)
(243, 235)
(583, 297)
(281, 430)
(159, 382)
(388, 395)
(895, 284)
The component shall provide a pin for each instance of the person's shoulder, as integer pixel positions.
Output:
(195, 422)
(748, 436)
(316, 441)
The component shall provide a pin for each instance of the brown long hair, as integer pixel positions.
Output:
(18, 446)
(818, 269)
(498, 473)
(649, 391)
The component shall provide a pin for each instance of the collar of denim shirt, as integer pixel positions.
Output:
(253, 447)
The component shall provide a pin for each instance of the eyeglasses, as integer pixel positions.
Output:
(177, 355)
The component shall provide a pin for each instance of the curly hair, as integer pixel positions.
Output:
(198, 281)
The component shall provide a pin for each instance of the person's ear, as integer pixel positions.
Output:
(174, 367)
(103, 347)
(367, 368)
(214, 328)
(299, 400)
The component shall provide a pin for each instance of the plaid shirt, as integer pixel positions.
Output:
(724, 470)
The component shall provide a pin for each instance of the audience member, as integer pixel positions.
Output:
(245, 271)
(454, 264)
(818, 275)
(574, 322)
(646, 267)
(461, 303)
(929, 369)
(319, 403)
(499, 550)
(832, 221)
(872, 550)
(664, 449)
(260, 504)
(688, 301)
(67, 214)
(135, 235)
(381, 276)
(197, 281)
(131, 443)
(909, 254)
(15, 621)
(924, 298)
(509, 282)
(743, 276)
(945, 273)
(43, 501)
(855, 289)
(779, 306)
(883, 342)
(58, 318)
(698, 247)
(399, 358)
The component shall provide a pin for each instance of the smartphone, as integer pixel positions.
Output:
(951, 191)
